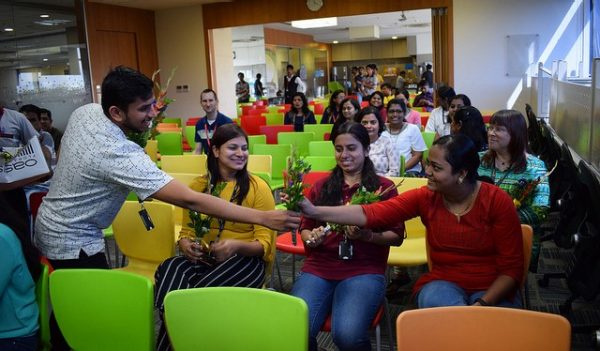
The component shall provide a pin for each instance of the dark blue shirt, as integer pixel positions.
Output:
(204, 131)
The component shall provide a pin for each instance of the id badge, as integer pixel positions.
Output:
(146, 219)
(345, 250)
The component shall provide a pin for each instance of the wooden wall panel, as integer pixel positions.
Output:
(135, 39)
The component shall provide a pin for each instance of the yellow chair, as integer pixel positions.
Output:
(145, 250)
(413, 250)
(184, 164)
(261, 166)
(185, 178)
(151, 150)
(474, 328)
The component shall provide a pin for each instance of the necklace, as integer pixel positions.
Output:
(470, 202)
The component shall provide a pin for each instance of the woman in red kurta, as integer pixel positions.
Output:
(473, 230)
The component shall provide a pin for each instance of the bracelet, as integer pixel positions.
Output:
(482, 302)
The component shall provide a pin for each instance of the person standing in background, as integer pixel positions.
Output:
(206, 126)
(400, 81)
(291, 84)
(428, 75)
(242, 89)
(258, 87)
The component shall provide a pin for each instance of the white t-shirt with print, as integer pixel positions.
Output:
(409, 139)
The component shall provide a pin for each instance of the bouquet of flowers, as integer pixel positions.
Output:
(297, 167)
(362, 197)
(160, 106)
(8, 153)
(201, 222)
(525, 187)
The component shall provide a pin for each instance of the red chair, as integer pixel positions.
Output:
(272, 131)
(284, 242)
(364, 104)
(424, 120)
(486, 119)
(259, 103)
(246, 109)
(192, 121)
(319, 109)
(327, 136)
(256, 112)
(35, 201)
(252, 124)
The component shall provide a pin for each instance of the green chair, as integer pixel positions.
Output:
(279, 154)
(319, 130)
(170, 143)
(172, 120)
(102, 309)
(321, 148)
(274, 118)
(321, 163)
(42, 296)
(299, 140)
(428, 138)
(232, 318)
(190, 134)
(334, 85)
(402, 166)
(319, 118)
(255, 139)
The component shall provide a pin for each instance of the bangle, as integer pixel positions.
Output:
(482, 302)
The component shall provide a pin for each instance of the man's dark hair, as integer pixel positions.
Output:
(46, 111)
(31, 108)
(122, 86)
(290, 67)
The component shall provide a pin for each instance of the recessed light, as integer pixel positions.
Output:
(394, 37)
(45, 59)
(8, 29)
(335, 41)
(44, 16)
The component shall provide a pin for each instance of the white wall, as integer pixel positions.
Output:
(180, 41)
(480, 45)
(224, 76)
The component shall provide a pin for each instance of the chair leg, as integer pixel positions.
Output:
(378, 337)
(108, 255)
(293, 268)
(278, 272)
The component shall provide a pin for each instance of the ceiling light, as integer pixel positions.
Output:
(315, 23)
(45, 59)
(335, 41)
(8, 29)
(394, 37)
(44, 16)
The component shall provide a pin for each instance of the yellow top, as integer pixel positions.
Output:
(259, 197)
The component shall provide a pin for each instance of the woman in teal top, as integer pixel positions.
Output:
(18, 263)
(515, 171)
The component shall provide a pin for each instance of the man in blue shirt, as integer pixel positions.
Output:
(206, 125)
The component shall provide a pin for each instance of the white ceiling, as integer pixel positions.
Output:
(157, 4)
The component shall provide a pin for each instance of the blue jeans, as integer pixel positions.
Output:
(352, 302)
(24, 343)
(440, 293)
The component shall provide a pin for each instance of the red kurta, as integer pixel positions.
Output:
(368, 258)
(486, 243)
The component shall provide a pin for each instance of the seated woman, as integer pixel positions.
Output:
(242, 251)
(468, 121)
(376, 101)
(411, 116)
(351, 290)
(457, 102)
(349, 109)
(473, 231)
(332, 112)
(382, 152)
(425, 98)
(20, 266)
(299, 115)
(439, 121)
(405, 137)
(511, 168)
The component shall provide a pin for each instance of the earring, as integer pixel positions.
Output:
(460, 180)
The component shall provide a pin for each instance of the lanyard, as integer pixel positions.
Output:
(503, 177)
(236, 189)
(206, 130)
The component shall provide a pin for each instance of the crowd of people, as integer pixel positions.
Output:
(472, 206)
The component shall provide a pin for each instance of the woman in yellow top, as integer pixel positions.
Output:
(239, 252)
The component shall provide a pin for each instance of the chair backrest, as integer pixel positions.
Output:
(274, 118)
(527, 232)
(184, 164)
(151, 149)
(260, 163)
(42, 296)
(144, 249)
(101, 309)
(319, 130)
(170, 143)
(279, 154)
(190, 133)
(252, 124)
(470, 328)
(298, 140)
(311, 178)
(175, 120)
(231, 318)
(255, 139)
(414, 227)
(321, 163)
(272, 131)
(321, 148)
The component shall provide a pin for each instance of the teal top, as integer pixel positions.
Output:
(535, 205)
(18, 307)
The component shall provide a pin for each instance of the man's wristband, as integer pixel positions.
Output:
(482, 302)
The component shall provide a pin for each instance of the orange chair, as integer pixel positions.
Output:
(470, 328)
(272, 131)
(252, 124)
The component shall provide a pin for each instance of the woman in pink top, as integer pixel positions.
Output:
(411, 116)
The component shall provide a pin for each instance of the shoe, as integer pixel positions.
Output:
(396, 283)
